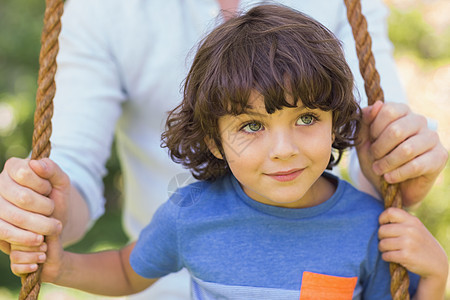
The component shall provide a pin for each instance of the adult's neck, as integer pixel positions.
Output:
(228, 7)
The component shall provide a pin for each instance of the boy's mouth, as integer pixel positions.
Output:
(285, 176)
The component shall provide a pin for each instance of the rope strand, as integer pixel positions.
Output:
(392, 198)
(44, 111)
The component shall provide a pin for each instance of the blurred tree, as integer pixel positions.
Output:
(21, 24)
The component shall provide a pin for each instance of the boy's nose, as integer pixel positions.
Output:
(283, 146)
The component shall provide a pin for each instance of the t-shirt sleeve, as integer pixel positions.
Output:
(156, 252)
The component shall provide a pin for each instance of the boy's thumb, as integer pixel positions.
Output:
(48, 169)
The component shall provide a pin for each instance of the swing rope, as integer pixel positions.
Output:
(391, 195)
(44, 111)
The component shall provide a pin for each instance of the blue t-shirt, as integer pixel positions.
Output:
(237, 248)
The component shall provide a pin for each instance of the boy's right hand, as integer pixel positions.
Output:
(29, 192)
(25, 260)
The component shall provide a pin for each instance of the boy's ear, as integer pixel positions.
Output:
(213, 147)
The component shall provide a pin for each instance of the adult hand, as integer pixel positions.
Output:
(397, 144)
(30, 190)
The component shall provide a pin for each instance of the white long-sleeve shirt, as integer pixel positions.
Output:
(121, 67)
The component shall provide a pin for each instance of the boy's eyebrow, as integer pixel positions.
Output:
(251, 111)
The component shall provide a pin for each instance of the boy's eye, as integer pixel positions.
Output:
(252, 127)
(306, 120)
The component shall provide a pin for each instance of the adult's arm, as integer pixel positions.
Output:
(88, 99)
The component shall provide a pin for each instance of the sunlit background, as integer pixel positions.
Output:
(420, 31)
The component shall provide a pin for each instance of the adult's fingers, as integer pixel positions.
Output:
(19, 171)
(15, 220)
(5, 247)
(14, 235)
(41, 248)
(405, 153)
(25, 199)
(396, 133)
(388, 113)
(49, 170)
(22, 187)
(429, 164)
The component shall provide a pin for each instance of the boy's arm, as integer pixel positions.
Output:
(405, 240)
(106, 273)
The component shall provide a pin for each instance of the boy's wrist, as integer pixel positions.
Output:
(440, 272)
(431, 287)
(60, 270)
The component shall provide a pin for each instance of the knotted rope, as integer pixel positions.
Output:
(391, 195)
(44, 111)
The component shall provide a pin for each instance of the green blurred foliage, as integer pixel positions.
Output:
(435, 210)
(21, 24)
(20, 27)
(411, 34)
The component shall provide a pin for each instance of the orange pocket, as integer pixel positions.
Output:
(323, 287)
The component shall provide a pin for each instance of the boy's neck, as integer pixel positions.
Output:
(326, 187)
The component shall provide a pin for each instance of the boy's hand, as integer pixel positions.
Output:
(406, 241)
(397, 144)
(25, 260)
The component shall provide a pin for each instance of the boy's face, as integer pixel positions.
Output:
(279, 158)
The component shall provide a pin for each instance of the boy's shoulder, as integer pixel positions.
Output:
(350, 197)
(193, 193)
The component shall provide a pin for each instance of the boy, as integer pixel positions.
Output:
(269, 95)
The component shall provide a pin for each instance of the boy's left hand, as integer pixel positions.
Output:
(406, 241)
(397, 144)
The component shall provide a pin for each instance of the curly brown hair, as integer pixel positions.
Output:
(275, 51)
